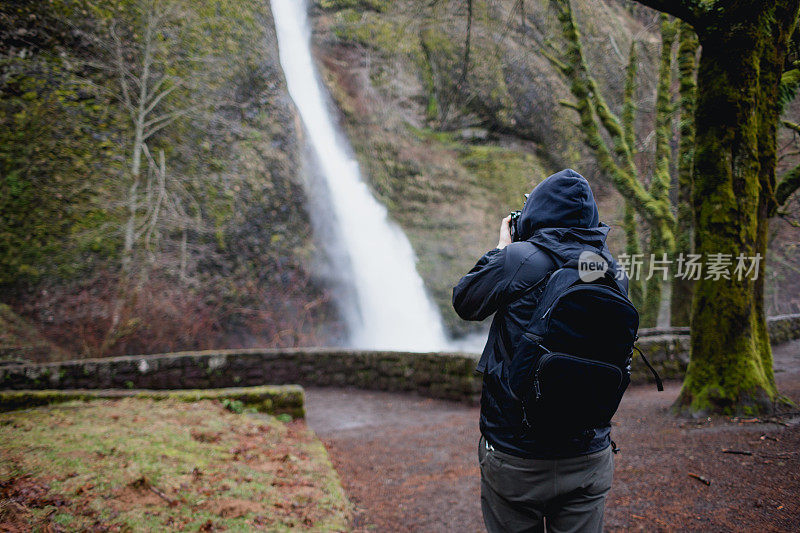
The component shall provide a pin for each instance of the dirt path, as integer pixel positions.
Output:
(409, 463)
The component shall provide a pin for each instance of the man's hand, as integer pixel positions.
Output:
(505, 233)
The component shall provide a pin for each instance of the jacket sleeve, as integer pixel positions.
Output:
(479, 293)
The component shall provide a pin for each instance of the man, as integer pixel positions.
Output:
(530, 479)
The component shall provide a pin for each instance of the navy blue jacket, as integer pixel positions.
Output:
(559, 221)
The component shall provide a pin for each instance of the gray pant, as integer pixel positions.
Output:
(523, 494)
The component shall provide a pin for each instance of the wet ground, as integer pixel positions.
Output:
(410, 463)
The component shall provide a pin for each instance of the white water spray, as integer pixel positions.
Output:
(393, 309)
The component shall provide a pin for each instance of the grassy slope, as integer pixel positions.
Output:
(106, 462)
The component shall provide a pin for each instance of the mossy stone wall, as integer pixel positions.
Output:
(438, 375)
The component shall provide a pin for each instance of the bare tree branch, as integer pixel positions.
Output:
(163, 121)
(122, 72)
(160, 96)
(467, 42)
(791, 125)
(690, 11)
(628, 104)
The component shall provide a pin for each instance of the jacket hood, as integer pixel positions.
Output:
(561, 215)
(563, 200)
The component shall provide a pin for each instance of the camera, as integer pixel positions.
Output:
(512, 225)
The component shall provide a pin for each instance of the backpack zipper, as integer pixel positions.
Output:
(537, 388)
(536, 385)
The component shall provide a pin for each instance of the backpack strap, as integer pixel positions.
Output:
(541, 282)
(653, 370)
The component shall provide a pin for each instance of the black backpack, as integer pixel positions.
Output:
(571, 365)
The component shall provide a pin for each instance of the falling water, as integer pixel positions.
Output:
(393, 310)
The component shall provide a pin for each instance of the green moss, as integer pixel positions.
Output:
(49, 148)
(426, 69)
(287, 399)
(234, 406)
(505, 173)
(371, 30)
(483, 91)
(594, 111)
(681, 294)
(633, 249)
(731, 366)
(661, 243)
(508, 174)
(199, 455)
(617, 157)
(376, 5)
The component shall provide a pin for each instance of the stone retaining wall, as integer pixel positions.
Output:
(783, 328)
(668, 348)
(436, 375)
(447, 375)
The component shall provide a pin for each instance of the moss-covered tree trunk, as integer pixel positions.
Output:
(633, 249)
(726, 370)
(778, 30)
(616, 158)
(660, 181)
(632, 245)
(731, 363)
(681, 293)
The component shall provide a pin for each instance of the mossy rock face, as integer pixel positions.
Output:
(21, 341)
(451, 155)
(238, 224)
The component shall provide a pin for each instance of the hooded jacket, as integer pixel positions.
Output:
(559, 220)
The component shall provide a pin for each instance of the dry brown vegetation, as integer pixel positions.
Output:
(136, 464)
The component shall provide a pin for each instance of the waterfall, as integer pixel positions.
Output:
(392, 309)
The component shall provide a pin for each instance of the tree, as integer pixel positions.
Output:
(140, 60)
(462, 79)
(744, 46)
(790, 83)
(650, 201)
(158, 65)
(143, 65)
(681, 294)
